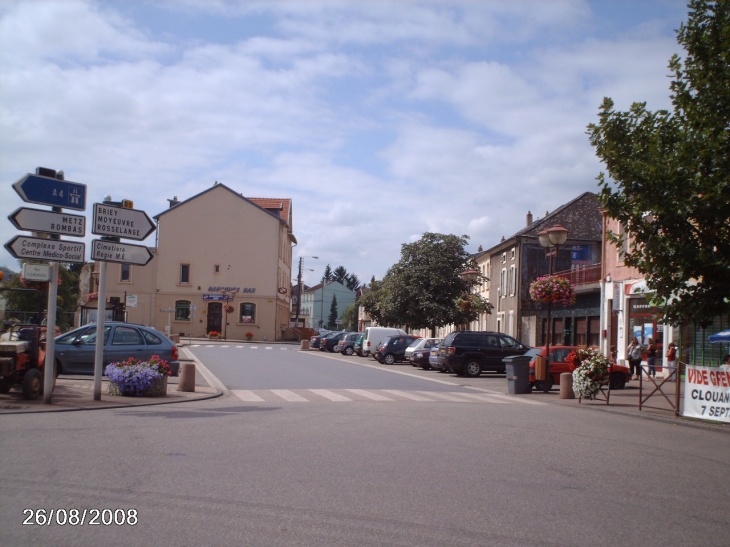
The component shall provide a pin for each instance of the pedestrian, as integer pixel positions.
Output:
(726, 363)
(651, 358)
(633, 354)
(671, 360)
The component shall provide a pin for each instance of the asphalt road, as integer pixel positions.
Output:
(364, 471)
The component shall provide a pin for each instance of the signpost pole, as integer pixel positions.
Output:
(100, 319)
(48, 367)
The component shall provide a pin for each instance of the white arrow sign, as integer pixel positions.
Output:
(124, 253)
(110, 220)
(37, 248)
(38, 220)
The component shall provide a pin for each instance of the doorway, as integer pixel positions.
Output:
(215, 317)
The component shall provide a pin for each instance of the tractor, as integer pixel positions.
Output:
(22, 356)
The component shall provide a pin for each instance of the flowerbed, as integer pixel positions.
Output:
(139, 378)
(591, 371)
(552, 288)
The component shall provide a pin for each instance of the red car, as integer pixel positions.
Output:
(558, 364)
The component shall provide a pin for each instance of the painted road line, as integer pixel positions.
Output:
(368, 395)
(443, 396)
(407, 395)
(331, 395)
(247, 396)
(268, 347)
(254, 347)
(239, 347)
(484, 398)
(208, 375)
(290, 396)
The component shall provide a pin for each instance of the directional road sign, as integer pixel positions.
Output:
(39, 220)
(124, 253)
(53, 192)
(110, 220)
(37, 248)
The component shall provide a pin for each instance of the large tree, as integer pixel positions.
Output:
(425, 289)
(669, 173)
(340, 275)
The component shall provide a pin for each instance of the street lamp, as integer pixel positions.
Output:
(299, 292)
(551, 239)
(227, 299)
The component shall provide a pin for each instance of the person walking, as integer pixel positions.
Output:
(651, 358)
(633, 354)
(671, 360)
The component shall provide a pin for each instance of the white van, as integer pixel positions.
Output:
(374, 335)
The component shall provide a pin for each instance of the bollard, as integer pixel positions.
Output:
(305, 344)
(566, 386)
(187, 377)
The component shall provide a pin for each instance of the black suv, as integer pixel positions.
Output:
(329, 342)
(469, 353)
(393, 348)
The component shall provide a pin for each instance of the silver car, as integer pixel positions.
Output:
(74, 351)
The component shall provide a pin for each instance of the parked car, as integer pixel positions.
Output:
(619, 374)
(317, 338)
(469, 353)
(329, 342)
(418, 352)
(374, 335)
(393, 348)
(358, 344)
(346, 345)
(433, 360)
(75, 351)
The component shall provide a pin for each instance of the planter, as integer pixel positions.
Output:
(157, 389)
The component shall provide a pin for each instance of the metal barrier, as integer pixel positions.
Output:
(674, 377)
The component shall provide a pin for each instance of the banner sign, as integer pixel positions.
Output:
(707, 393)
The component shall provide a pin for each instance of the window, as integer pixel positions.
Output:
(248, 312)
(512, 280)
(151, 339)
(126, 336)
(503, 283)
(184, 274)
(217, 268)
(125, 274)
(512, 254)
(504, 258)
(182, 310)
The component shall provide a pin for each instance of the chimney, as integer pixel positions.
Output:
(174, 201)
(529, 218)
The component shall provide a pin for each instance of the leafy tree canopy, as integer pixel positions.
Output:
(340, 275)
(425, 289)
(671, 174)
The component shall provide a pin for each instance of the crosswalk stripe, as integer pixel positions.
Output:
(443, 396)
(247, 396)
(407, 395)
(368, 395)
(484, 398)
(239, 347)
(331, 395)
(254, 347)
(289, 395)
(268, 347)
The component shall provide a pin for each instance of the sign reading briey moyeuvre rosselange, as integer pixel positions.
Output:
(110, 220)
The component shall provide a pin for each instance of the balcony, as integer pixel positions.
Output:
(583, 278)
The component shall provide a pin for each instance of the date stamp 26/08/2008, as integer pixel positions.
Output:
(80, 517)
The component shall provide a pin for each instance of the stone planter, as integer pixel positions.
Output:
(157, 389)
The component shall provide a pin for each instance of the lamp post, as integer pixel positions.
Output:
(551, 239)
(227, 299)
(469, 276)
(299, 291)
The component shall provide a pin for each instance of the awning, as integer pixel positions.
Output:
(723, 336)
(637, 288)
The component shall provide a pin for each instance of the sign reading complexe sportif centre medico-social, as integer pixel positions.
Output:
(707, 393)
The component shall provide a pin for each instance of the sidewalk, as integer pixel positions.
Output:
(77, 393)
(626, 402)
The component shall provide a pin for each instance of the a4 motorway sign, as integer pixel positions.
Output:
(53, 192)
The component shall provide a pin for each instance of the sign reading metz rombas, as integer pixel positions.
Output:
(124, 253)
(110, 220)
(38, 220)
(37, 248)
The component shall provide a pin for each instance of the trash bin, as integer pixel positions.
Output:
(518, 374)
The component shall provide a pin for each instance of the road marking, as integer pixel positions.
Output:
(239, 347)
(225, 346)
(290, 396)
(247, 396)
(331, 395)
(368, 395)
(443, 396)
(268, 347)
(208, 375)
(408, 395)
(484, 398)
(254, 347)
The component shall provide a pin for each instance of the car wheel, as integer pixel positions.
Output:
(472, 369)
(389, 359)
(32, 384)
(349, 350)
(618, 381)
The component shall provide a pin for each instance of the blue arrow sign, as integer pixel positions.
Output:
(53, 192)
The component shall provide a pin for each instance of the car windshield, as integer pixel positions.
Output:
(533, 352)
(415, 343)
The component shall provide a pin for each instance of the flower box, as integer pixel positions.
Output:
(133, 378)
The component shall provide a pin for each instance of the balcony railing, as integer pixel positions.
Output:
(582, 275)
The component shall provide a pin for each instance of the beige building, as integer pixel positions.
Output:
(222, 263)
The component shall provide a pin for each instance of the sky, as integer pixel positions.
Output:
(380, 120)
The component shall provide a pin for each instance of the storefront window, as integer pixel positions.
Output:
(182, 310)
(248, 312)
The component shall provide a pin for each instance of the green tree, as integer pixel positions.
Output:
(370, 301)
(670, 174)
(327, 276)
(349, 317)
(425, 289)
(333, 313)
